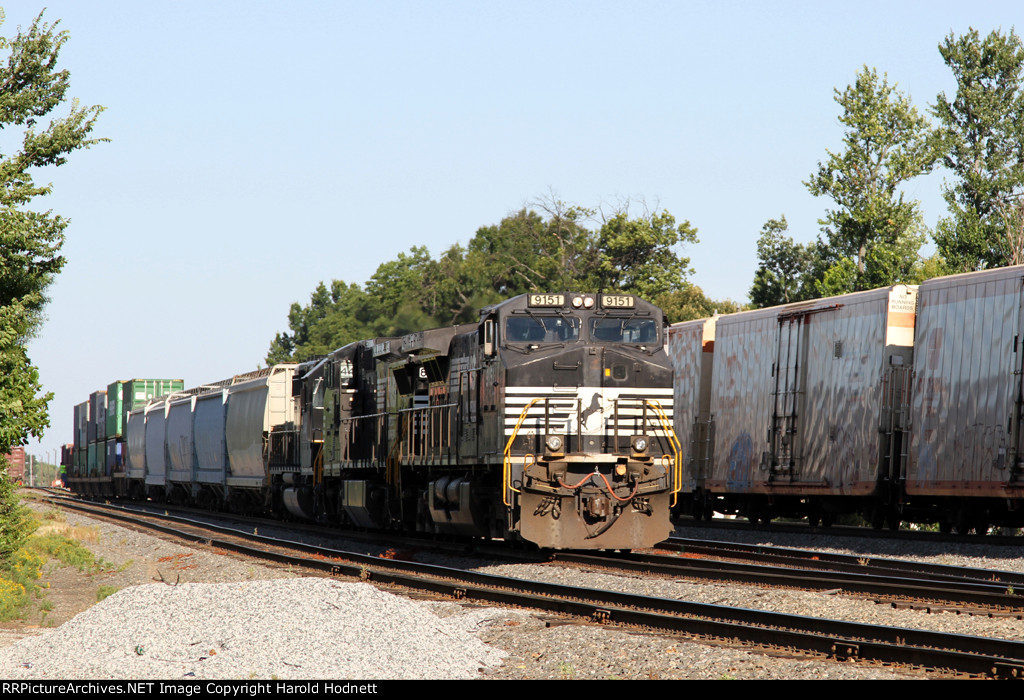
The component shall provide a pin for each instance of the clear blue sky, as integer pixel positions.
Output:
(258, 148)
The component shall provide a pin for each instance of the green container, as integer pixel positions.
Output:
(132, 394)
(95, 454)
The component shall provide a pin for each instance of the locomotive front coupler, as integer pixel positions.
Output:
(603, 473)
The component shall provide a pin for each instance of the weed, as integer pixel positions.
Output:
(105, 591)
(566, 669)
(13, 599)
(68, 551)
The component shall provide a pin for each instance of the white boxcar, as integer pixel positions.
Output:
(967, 398)
(257, 404)
(691, 349)
(806, 400)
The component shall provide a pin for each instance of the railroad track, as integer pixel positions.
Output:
(830, 638)
(913, 584)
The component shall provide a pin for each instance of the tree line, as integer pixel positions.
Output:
(873, 235)
(550, 245)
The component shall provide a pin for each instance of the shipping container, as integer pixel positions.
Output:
(81, 425)
(98, 416)
(113, 464)
(132, 394)
(96, 455)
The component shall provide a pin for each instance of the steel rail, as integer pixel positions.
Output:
(811, 559)
(986, 594)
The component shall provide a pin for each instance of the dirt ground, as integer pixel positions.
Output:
(131, 558)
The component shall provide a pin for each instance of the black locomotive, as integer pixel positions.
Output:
(549, 420)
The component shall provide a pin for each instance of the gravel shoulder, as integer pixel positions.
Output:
(277, 622)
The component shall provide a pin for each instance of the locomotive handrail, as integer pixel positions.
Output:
(506, 466)
(423, 418)
(673, 441)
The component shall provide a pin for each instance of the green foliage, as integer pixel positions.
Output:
(688, 303)
(526, 252)
(23, 568)
(550, 250)
(638, 255)
(105, 591)
(68, 551)
(887, 142)
(31, 89)
(982, 129)
(785, 269)
(16, 523)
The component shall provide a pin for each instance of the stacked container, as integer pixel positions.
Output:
(99, 452)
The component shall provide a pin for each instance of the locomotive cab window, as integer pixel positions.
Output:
(611, 329)
(542, 329)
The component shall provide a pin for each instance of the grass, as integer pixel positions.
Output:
(105, 591)
(52, 539)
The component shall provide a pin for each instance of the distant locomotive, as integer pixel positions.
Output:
(550, 420)
(902, 404)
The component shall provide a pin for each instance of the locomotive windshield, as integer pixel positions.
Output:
(542, 329)
(611, 329)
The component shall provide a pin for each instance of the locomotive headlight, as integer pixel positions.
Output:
(554, 443)
(577, 302)
(588, 303)
(640, 444)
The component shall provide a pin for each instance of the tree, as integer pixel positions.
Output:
(982, 129)
(887, 142)
(334, 317)
(32, 88)
(689, 302)
(639, 255)
(527, 251)
(784, 272)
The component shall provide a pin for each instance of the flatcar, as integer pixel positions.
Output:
(549, 421)
(901, 404)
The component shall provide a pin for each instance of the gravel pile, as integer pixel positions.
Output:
(288, 629)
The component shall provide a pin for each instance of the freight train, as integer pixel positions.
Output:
(549, 421)
(902, 404)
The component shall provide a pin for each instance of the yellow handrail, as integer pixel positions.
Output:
(506, 469)
(677, 473)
